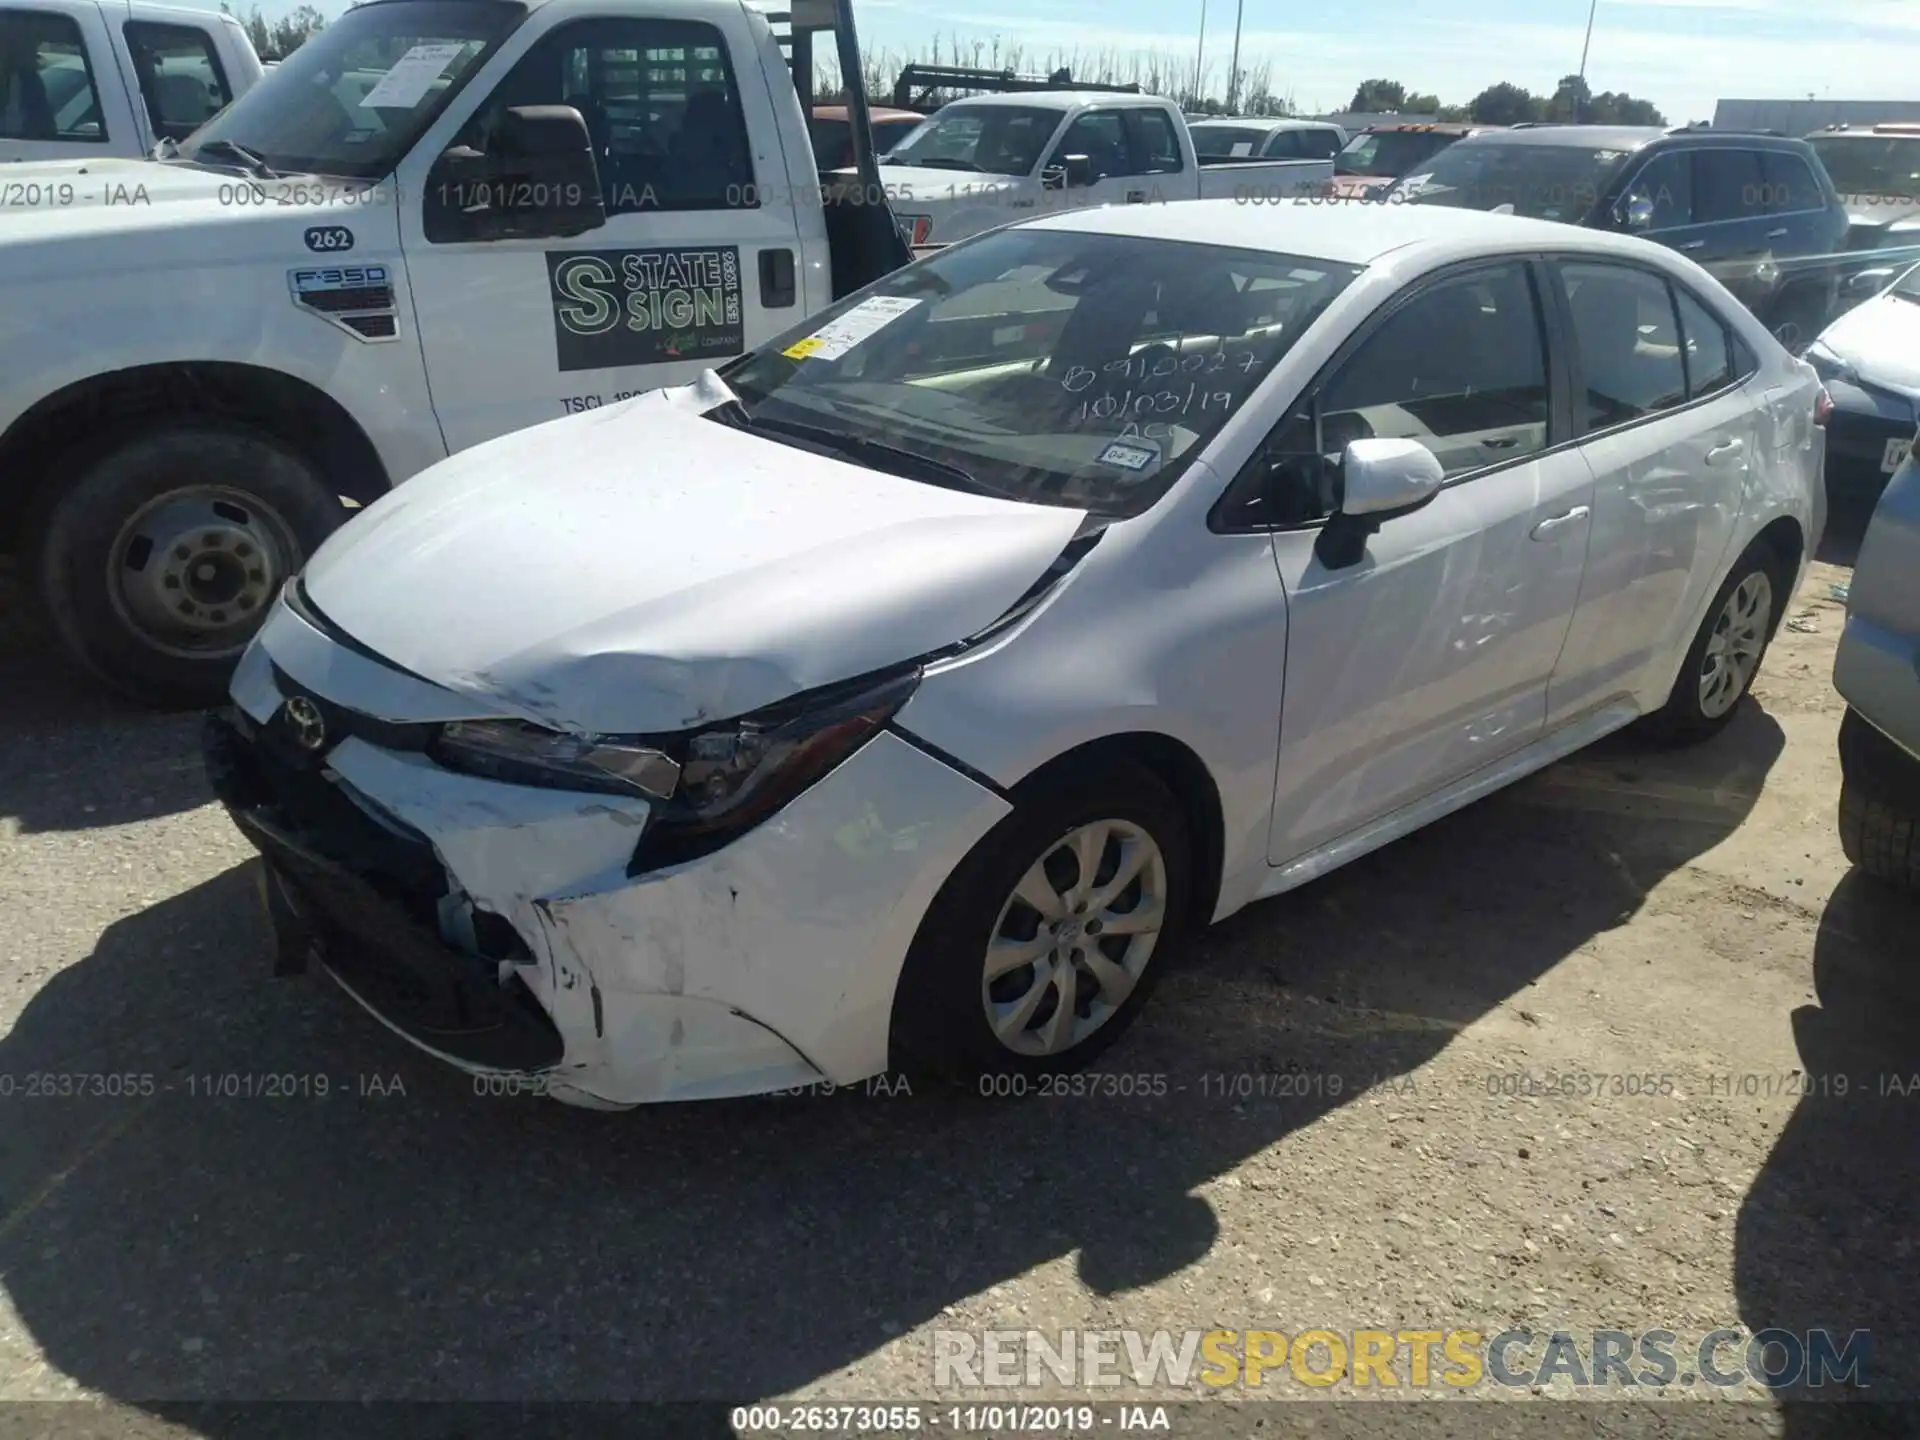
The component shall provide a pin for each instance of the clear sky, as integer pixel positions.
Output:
(1681, 54)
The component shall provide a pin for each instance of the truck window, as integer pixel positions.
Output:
(987, 139)
(1313, 144)
(1156, 148)
(46, 82)
(1728, 184)
(1791, 187)
(1101, 136)
(181, 78)
(1226, 142)
(352, 100)
(660, 101)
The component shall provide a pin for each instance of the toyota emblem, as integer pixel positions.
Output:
(304, 719)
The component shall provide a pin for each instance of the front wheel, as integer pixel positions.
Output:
(158, 562)
(1727, 650)
(1047, 939)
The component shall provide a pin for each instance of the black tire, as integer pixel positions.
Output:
(1683, 720)
(1880, 839)
(940, 1025)
(81, 530)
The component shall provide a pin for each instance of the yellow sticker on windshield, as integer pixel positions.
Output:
(838, 336)
(801, 349)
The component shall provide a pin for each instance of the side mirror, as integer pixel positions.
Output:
(1379, 479)
(1383, 478)
(1078, 170)
(1635, 213)
(536, 180)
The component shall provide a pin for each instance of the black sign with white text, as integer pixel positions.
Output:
(614, 308)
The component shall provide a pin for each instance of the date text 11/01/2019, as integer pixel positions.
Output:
(1010, 1419)
(229, 1085)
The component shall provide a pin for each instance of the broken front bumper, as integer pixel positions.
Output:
(767, 965)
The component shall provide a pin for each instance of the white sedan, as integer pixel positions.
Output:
(905, 693)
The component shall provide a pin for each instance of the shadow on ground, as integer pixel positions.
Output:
(1829, 1234)
(75, 755)
(403, 1237)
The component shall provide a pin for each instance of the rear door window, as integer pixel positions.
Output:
(46, 82)
(1709, 351)
(1627, 340)
(1156, 148)
(181, 78)
(1728, 185)
(1791, 187)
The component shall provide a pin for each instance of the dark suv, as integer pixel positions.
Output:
(1757, 210)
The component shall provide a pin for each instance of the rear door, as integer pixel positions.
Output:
(61, 93)
(698, 259)
(1672, 439)
(1431, 657)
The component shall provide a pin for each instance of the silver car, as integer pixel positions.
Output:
(1878, 674)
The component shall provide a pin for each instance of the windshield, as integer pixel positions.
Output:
(1043, 365)
(1389, 153)
(1872, 165)
(1546, 182)
(352, 100)
(1226, 142)
(991, 139)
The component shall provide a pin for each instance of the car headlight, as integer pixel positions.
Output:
(708, 786)
(517, 753)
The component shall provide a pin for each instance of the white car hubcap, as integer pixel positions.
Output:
(1733, 649)
(1074, 938)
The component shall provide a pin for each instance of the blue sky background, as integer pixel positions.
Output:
(1681, 54)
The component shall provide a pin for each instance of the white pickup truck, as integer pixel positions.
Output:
(435, 222)
(987, 161)
(90, 79)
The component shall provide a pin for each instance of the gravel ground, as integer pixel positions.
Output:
(1338, 1143)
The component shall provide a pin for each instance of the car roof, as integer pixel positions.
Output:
(1355, 234)
(874, 112)
(1261, 122)
(1585, 137)
(1053, 99)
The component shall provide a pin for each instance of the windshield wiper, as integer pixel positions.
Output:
(945, 163)
(875, 454)
(251, 160)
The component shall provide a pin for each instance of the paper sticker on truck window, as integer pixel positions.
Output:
(412, 75)
(615, 308)
(833, 340)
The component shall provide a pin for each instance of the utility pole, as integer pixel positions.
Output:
(1592, 10)
(1199, 59)
(1233, 76)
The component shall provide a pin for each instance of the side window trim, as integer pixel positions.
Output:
(1577, 376)
(1221, 518)
(78, 39)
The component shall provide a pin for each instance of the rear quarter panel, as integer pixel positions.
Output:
(1877, 669)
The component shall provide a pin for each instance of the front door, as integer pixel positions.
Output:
(1429, 658)
(61, 94)
(698, 259)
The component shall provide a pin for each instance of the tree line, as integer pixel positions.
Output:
(1255, 94)
(1509, 104)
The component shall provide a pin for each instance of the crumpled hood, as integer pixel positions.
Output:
(642, 569)
(1880, 340)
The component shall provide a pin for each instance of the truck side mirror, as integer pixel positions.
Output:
(1079, 170)
(1635, 213)
(535, 180)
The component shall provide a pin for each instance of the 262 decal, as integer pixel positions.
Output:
(615, 308)
(329, 238)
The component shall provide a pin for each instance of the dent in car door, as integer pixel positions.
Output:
(699, 256)
(1670, 473)
(1429, 658)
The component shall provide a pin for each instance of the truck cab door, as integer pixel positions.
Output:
(1112, 178)
(698, 258)
(62, 93)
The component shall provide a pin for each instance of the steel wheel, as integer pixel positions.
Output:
(1734, 649)
(193, 570)
(1074, 937)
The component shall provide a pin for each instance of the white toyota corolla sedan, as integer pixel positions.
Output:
(904, 693)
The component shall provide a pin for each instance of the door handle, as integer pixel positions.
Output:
(1136, 197)
(1727, 449)
(777, 286)
(1560, 522)
(1694, 245)
(1501, 442)
(1779, 234)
